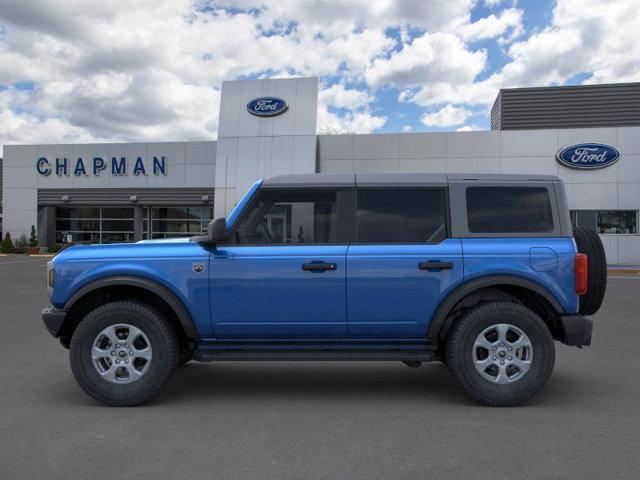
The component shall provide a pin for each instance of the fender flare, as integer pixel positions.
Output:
(183, 315)
(465, 289)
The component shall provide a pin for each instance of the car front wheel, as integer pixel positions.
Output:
(123, 353)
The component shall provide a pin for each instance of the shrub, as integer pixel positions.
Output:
(7, 244)
(21, 244)
(55, 249)
(33, 239)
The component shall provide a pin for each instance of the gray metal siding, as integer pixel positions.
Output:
(567, 107)
(121, 196)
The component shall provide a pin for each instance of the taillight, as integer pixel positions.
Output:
(581, 262)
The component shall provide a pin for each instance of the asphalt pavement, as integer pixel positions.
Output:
(316, 420)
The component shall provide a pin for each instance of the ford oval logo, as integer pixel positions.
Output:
(267, 106)
(588, 156)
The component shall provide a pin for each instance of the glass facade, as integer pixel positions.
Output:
(117, 224)
(94, 224)
(167, 222)
(607, 221)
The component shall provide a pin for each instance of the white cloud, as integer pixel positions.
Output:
(469, 128)
(493, 3)
(509, 20)
(432, 57)
(351, 122)
(584, 36)
(338, 96)
(152, 70)
(407, 128)
(447, 116)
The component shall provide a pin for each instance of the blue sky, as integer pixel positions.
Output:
(77, 71)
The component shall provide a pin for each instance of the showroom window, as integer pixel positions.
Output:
(94, 224)
(607, 221)
(168, 222)
(401, 216)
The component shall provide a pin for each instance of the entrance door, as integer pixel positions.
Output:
(401, 265)
(283, 274)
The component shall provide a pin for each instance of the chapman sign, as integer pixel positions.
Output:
(588, 156)
(117, 166)
(267, 106)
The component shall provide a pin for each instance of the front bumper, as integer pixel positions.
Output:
(577, 330)
(53, 319)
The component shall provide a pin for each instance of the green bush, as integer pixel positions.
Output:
(21, 244)
(33, 239)
(55, 249)
(7, 244)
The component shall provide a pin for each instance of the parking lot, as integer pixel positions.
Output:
(315, 420)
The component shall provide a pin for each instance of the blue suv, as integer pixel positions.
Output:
(482, 273)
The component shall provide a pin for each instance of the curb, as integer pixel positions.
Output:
(624, 271)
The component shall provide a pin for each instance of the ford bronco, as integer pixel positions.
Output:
(480, 272)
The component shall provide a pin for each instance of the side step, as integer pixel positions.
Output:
(215, 355)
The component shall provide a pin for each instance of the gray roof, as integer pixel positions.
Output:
(336, 180)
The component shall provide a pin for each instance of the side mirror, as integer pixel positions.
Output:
(217, 231)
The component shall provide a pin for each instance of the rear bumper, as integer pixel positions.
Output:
(53, 319)
(577, 330)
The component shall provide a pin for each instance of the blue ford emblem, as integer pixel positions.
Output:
(588, 156)
(267, 106)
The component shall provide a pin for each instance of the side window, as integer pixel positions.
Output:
(509, 210)
(389, 215)
(277, 217)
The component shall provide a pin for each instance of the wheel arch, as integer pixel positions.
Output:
(530, 293)
(126, 286)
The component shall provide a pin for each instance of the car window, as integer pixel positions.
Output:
(509, 210)
(388, 215)
(277, 217)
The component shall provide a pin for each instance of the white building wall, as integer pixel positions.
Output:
(189, 164)
(251, 147)
(516, 151)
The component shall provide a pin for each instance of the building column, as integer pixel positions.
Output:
(138, 215)
(46, 228)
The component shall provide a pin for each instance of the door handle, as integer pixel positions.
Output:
(319, 267)
(435, 265)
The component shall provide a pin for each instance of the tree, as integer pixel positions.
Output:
(33, 239)
(20, 245)
(7, 244)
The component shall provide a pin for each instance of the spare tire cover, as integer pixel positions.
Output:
(589, 243)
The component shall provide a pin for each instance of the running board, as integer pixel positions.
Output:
(214, 355)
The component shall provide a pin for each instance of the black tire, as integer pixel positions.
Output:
(460, 352)
(163, 342)
(589, 243)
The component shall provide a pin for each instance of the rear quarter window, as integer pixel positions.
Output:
(509, 210)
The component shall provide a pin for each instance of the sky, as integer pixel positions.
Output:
(76, 71)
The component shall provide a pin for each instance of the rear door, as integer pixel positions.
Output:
(283, 276)
(402, 263)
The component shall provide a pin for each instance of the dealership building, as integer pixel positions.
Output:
(587, 135)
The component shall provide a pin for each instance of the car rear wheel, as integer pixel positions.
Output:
(123, 353)
(501, 353)
(589, 243)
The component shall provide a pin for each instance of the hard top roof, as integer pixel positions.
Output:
(344, 180)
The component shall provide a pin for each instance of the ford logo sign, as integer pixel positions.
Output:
(588, 156)
(267, 106)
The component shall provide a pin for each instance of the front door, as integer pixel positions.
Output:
(401, 265)
(283, 275)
